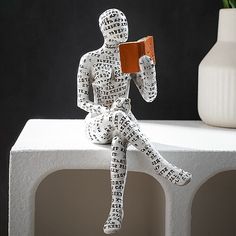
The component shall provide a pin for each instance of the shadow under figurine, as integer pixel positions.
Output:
(110, 119)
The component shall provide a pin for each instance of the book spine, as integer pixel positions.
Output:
(149, 48)
(141, 49)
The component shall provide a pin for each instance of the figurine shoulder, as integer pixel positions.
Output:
(90, 58)
(86, 59)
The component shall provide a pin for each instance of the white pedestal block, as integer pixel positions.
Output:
(45, 146)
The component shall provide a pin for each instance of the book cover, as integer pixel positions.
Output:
(130, 52)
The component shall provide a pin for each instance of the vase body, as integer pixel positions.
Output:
(217, 76)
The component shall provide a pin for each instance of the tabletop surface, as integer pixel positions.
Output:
(44, 135)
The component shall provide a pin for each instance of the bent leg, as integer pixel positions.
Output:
(99, 129)
(118, 179)
(131, 132)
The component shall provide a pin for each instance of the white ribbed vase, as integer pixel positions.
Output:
(217, 76)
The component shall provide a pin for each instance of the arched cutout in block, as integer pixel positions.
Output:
(214, 206)
(76, 202)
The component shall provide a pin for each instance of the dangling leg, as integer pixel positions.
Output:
(118, 178)
(129, 130)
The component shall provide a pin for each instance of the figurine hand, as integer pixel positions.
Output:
(146, 64)
(121, 104)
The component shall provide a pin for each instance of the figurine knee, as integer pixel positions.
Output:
(119, 142)
(115, 141)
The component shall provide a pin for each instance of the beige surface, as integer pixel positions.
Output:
(76, 202)
(214, 207)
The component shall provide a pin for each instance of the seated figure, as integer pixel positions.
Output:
(110, 119)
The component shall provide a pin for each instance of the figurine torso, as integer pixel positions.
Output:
(108, 82)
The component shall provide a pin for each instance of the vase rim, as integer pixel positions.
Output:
(226, 25)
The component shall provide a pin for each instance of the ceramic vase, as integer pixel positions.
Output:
(217, 76)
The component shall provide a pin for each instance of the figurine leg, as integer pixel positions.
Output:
(118, 178)
(131, 132)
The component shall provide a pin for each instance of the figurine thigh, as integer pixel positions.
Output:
(100, 129)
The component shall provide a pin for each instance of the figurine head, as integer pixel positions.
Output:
(114, 26)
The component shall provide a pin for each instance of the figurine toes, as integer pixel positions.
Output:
(187, 177)
(181, 179)
(113, 223)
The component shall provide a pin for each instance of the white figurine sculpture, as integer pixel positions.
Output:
(110, 119)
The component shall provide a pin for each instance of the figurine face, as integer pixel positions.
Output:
(114, 26)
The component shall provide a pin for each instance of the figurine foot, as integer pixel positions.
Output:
(113, 223)
(174, 174)
(181, 179)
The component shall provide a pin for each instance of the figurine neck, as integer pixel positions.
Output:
(111, 46)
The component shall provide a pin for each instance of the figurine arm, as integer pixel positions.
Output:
(83, 85)
(145, 80)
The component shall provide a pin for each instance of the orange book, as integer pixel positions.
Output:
(130, 53)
